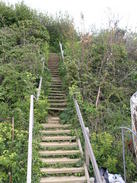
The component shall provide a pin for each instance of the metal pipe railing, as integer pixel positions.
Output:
(31, 123)
(88, 144)
(62, 51)
(39, 88)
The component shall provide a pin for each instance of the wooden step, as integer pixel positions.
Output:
(47, 125)
(58, 138)
(52, 122)
(56, 97)
(58, 144)
(57, 100)
(53, 72)
(54, 78)
(56, 94)
(63, 104)
(64, 161)
(59, 152)
(57, 132)
(66, 179)
(63, 170)
(56, 109)
(54, 118)
(57, 91)
(56, 84)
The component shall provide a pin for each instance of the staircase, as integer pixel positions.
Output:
(60, 153)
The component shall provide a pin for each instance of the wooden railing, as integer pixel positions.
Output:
(31, 124)
(88, 148)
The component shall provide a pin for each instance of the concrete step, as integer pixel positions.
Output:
(55, 132)
(58, 138)
(59, 152)
(63, 170)
(66, 179)
(64, 161)
(47, 125)
(58, 144)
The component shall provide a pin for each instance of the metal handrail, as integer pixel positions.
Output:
(39, 88)
(88, 144)
(31, 124)
(62, 51)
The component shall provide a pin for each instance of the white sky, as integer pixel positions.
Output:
(96, 12)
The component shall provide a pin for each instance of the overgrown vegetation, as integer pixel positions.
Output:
(23, 43)
(99, 69)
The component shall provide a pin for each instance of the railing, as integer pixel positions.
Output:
(39, 88)
(31, 124)
(123, 143)
(133, 106)
(88, 150)
(62, 51)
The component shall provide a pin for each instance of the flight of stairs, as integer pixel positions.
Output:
(60, 151)
(57, 98)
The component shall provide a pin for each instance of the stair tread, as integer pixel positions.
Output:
(54, 118)
(47, 125)
(56, 97)
(58, 104)
(58, 100)
(62, 170)
(56, 109)
(58, 144)
(56, 138)
(65, 179)
(56, 131)
(56, 91)
(56, 94)
(59, 160)
(59, 152)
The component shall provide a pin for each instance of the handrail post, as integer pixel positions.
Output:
(86, 150)
(31, 121)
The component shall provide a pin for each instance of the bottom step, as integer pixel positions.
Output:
(68, 179)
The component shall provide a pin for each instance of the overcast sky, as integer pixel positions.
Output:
(96, 12)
